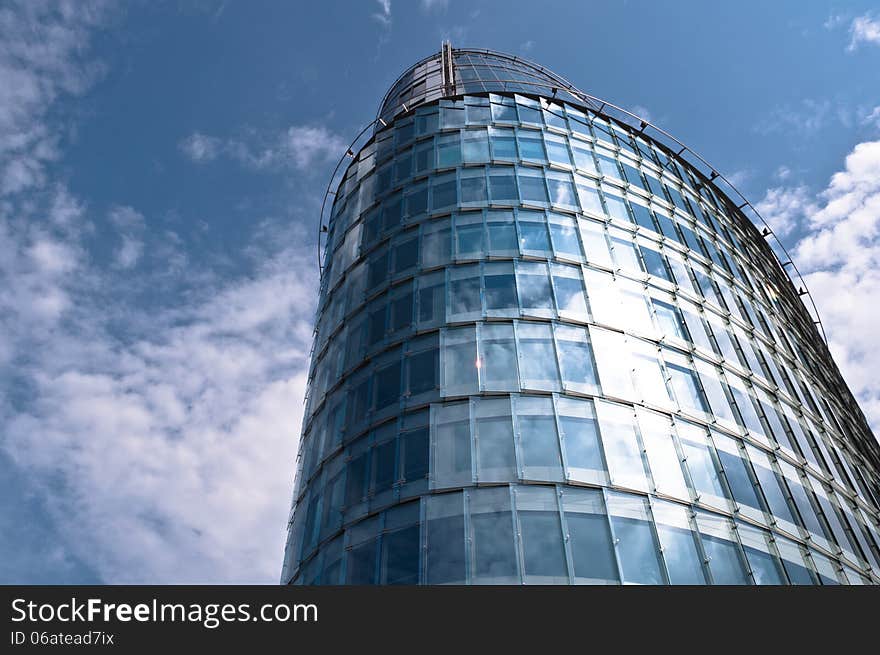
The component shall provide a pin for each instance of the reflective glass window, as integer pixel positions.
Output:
(474, 146)
(498, 362)
(502, 185)
(723, 553)
(541, 534)
(499, 289)
(589, 536)
(576, 359)
(580, 434)
(533, 235)
(539, 445)
(621, 444)
(493, 435)
(638, 552)
(681, 552)
(493, 552)
(502, 233)
(445, 539)
(537, 357)
(459, 361)
(532, 187)
(569, 292)
(533, 284)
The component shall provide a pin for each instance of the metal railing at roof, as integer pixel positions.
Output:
(602, 108)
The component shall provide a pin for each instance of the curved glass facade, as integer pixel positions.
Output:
(549, 350)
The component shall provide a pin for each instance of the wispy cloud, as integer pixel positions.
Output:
(383, 16)
(527, 46)
(300, 147)
(864, 30)
(807, 117)
(435, 5)
(839, 253)
(642, 112)
(162, 437)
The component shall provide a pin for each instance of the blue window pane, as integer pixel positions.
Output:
(415, 454)
(683, 560)
(725, 561)
(539, 444)
(532, 188)
(582, 447)
(361, 567)
(387, 385)
(591, 549)
(500, 291)
(531, 145)
(655, 263)
(494, 555)
(543, 552)
(502, 185)
(423, 371)
(766, 569)
(533, 233)
(637, 551)
(445, 540)
(400, 556)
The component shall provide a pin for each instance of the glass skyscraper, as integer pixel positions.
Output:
(551, 348)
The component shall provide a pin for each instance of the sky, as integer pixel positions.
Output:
(162, 167)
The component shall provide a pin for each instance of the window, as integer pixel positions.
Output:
(589, 535)
(607, 164)
(702, 465)
(569, 292)
(625, 253)
(687, 389)
(459, 361)
(622, 448)
(765, 566)
(563, 231)
(794, 561)
(539, 445)
(448, 150)
(562, 193)
(414, 446)
(531, 186)
(613, 362)
(494, 440)
(498, 367)
(541, 535)
(684, 563)
(473, 187)
(445, 539)
(669, 320)
(474, 146)
(655, 263)
(444, 191)
(660, 447)
(469, 235)
(423, 371)
(464, 293)
(773, 490)
(432, 299)
(533, 284)
(417, 200)
(576, 359)
(643, 216)
(637, 549)
(435, 243)
(557, 149)
(583, 157)
(588, 195)
(534, 238)
(503, 143)
(401, 307)
(502, 233)
(450, 445)
(502, 185)
(406, 252)
(531, 145)
(738, 474)
(723, 553)
(384, 453)
(387, 385)
(580, 434)
(499, 289)
(616, 207)
(400, 545)
(537, 357)
(595, 243)
(493, 552)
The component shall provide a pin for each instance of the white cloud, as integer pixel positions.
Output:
(200, 147)
(384, 13)
(803, 119)
(872, 118)
(839, 255)
(527, 46)
(864, 29)
(163, 437)
(784, 208)
(782, 173)
(300, 147)
(435, 5)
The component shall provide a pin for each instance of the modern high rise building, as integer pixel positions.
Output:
(551, 347)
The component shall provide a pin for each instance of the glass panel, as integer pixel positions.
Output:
(400, 547)
(576, 359)
(537, 357)
(531, 145)
(502, 233)
(568, 286)
(450, 445)
(532, 187)
(637, 549)
(765, 566)
(444, 539)
(469, 241)
(722, 552)
(613, 362)
(498, 367)
(589, 536)
(563, 230)
(580, 438)
(493, 552)
(494, 440)
(503, 143)
(622, 449)
(475, 146)
(665, 462)
(539, 445)
(533, 283)
(533, 235)
(702, 464)
(681, 552)
(502, 185)
(499, 290)
(541, 534)
(795, 562)
(473, 187)
(772, 489)
(464, 293)
(738, 474)
(595, 244)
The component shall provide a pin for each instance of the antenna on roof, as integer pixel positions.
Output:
(447, 72)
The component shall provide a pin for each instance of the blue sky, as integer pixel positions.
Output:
(160, 168)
